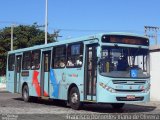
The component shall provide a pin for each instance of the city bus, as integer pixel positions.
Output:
(109, 68)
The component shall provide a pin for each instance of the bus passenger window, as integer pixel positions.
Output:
(36, 59)
(26, 64)
(11, 60)
(75, 55)
(59, 57)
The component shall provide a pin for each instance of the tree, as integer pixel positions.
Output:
(24, 36)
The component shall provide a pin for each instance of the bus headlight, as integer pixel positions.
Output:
(147, 88)
(107, 87)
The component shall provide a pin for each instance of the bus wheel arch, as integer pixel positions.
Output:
(74, 94)
(25, 92)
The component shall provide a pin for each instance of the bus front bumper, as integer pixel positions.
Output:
(128, 97)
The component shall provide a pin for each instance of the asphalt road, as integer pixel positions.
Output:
(12, 107)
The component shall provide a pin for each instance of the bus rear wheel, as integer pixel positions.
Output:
(74, 98)
(117, 105)
(25, 94)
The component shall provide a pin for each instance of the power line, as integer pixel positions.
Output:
(95, 30)
(8, 22)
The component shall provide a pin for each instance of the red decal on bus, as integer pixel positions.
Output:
(45, 94)
(36, 84)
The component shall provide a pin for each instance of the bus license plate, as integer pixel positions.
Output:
(131, 97)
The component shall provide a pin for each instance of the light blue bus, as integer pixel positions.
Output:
(103, 68)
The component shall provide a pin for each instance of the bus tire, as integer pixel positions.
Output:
(117, 105)
(25, 94)
(74, 98)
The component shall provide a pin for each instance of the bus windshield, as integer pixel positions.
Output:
(120, 61)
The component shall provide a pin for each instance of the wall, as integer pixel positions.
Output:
(155, 75)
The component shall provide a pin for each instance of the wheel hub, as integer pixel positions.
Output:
(74, 98)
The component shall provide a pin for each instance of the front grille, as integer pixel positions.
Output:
(125, 99)
(128, 90)
(129, 82)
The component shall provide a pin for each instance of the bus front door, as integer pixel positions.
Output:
(90, 72)
(17, 79)
(46, 58)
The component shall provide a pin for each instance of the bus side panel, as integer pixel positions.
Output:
(34, 83)
(76, 76)
(61, 79)
(28, 78)
(57, 86)
(10, 81)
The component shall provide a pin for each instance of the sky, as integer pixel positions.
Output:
(76, 18)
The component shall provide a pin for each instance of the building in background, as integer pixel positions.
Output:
(155, 72)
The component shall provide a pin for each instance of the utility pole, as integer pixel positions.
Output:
(46, 21)
(153, 31)
(12, 27)
(55, 34)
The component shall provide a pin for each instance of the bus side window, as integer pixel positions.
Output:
(26, 65)
(75, 55)
(59, 57)
(11, 62)
(36, 59)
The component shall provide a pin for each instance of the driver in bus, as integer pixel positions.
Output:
(122, 63)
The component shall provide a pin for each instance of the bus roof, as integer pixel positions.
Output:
(84, 38)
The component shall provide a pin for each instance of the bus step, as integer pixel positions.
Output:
(44, 97)
(89, 101)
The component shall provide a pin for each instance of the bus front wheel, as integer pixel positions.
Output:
(74, 98)
(117, 105)
(25, 94)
